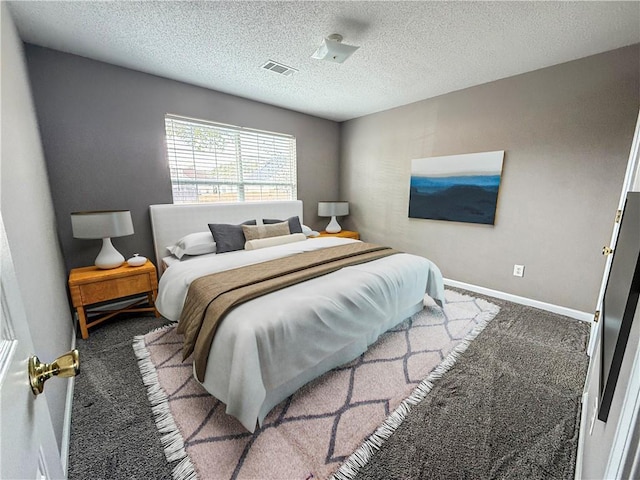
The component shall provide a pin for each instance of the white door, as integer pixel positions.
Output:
(591, 439)
(632, 165)
(28, 447)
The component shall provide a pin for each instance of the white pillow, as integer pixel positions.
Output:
(308, 232)
(273, 241)
(193, 244)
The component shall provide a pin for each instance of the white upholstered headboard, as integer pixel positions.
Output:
(169, 223)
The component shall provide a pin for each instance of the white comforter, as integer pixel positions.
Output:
(265, 349)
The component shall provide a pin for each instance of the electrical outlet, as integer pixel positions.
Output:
(518, 270)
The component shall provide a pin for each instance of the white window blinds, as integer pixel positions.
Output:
(213, 162)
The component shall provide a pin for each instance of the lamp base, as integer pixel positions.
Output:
(334, 226)
(108, 257)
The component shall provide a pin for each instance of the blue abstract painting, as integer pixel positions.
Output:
(458, 188)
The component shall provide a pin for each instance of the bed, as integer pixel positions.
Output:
(267, 348)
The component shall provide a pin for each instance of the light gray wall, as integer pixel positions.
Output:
(566, 131)
(27, 212)
(102, 129)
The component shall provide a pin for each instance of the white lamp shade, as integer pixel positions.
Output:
(101, 224)
(330, 209)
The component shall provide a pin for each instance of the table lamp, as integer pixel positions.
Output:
(103, 224)
(333, 210)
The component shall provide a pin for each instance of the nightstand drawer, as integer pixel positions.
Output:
(115, 288)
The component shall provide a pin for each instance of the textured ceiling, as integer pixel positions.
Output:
(409, 50)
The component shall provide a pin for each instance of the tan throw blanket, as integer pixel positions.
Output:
(210, 297)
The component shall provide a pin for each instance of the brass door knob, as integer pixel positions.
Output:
(67, 365)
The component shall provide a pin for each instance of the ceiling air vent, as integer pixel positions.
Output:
(279, 68)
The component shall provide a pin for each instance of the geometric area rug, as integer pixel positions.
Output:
(331, 426)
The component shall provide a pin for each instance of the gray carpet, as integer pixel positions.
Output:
(113, 435)
(517, 418)
(509, 408)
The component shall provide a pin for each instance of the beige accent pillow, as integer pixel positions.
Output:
(253, 232)
(273, 241)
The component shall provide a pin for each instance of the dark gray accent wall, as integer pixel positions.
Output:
(102, 130)
(566, 131)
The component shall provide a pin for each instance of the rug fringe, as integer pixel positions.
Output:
(171, 438)
(365, 452)
(185, 470)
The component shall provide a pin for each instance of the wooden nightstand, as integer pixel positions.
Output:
(341, 233)
(91, 285)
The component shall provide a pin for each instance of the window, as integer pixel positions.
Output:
(213, 162)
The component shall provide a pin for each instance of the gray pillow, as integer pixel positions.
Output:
(294, 223)
(229, 238)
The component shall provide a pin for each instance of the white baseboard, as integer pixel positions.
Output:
(568, 312)
(68, 407)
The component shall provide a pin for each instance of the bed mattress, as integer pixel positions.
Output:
(266, 349)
